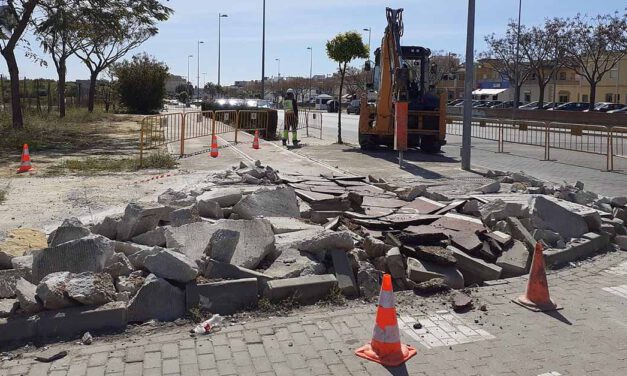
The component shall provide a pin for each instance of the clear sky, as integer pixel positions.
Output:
(293, 25)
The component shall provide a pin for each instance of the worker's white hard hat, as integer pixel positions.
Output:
(290, 91)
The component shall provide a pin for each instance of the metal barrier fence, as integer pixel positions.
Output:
(160, 130)
(311, 122)
(608, 141)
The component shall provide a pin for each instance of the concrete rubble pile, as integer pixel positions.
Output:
(252, 233)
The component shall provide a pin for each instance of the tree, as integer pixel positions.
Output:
(595, 47)
(183, 97)
(342, 49)
(111, 30)
(355, 81)
(502, 57)
(141, 83)
(444, 65)
(211, 89)
(184, 87)
(14, 19)
(543, 48)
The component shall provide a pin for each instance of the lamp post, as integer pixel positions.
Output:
(263, 52)
(220, 15)
(204, 80)
(279, 68)
(187, 83)
(198, 69)
(310, 71)
(369, 30)
(468, 85)
(516, 75)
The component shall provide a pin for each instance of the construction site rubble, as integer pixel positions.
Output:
(225, 244)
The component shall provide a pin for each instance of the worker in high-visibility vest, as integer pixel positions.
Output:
(290, 121)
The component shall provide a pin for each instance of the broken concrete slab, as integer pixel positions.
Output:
(519, 232)
(175, 198)
(496, 210)
(70, 229)
(316, 241)
(26, 294)
(343, 268)
(621, 242)
(375, 247)
(108, 227)
(568, 219)
(423, 235)
(118, 265)
(474, 269)
(435, 254)
(225, 297)
(210, 209)
(183, 216)
(410, 193)
(520, 177)
(492, 187)
(547, 236)
(51, 290)
(8, 280)
(129, 248)
(281, 225)
(222, 245)
(90, 253)
(91, 288)
(421, 271)
(468, 242)
(8, 307)
(459, 222)
(171, 265)
(590, 244)
(471, 207)
(156, 299)
(450, 207)
(152, 238)
(394, 262)
(369, 280)
(515, 260)
(294, 263)
(404, 220)
(139, 218)
(306, 290)
(130, 284)
(279, 202)
(619, 201)
(424, 205)
(221, 270)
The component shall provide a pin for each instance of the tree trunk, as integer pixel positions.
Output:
(593, 94)
(14, 75)
(61, 87)
(339, 110)
(92, 91)
(541, 86)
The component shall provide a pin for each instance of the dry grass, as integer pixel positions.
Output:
(3, 196)
(100, 165)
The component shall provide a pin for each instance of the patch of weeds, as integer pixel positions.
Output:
(283, 307)
(335, 297)
(95, 165)
(196, 314)
(3, 196)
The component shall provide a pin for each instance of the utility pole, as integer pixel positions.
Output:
(279, 68)
(516, 73)
(198, 69)
(263, 52)
(310, 71)
(188, 82)
(468, 85)
(219, 36)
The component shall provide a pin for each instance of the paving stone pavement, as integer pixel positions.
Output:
(587, 337)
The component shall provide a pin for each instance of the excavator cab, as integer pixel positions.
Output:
(400, 74)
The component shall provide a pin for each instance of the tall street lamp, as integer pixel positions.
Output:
(263, 52)
(220, 15)
(279, 68)
(516, 74)
(204, 79)
(369, 30)
(468, 85)
(198, 69)
(188, 57)
(310, 71)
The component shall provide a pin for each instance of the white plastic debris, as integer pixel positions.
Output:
(209, 325)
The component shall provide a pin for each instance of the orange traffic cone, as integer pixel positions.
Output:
(385, 347)
(537, 298)
(214, 147)
(26, 165)
(256, 140)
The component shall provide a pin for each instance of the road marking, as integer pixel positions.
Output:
(552, 373)
(617, 290)
(620, 269)
(444, 329)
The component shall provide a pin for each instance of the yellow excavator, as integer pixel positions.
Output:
(407, 112)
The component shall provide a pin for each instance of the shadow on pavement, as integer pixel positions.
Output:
(558, 316)
(398, 370)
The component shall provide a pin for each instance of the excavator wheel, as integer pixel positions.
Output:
(367, 141)
(430, 145)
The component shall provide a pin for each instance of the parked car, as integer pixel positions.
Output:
(353, 107)
(529, 106)
(619, 111)
(571, 106)
(455, 102)
(333, 105)
(508, 104)
(606, 106)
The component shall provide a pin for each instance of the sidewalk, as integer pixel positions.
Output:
(587, 337)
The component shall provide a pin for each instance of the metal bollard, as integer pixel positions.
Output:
(182, 134)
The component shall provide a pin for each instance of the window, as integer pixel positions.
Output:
(608, 97)
(563, 76)
(584, 98)
(614, 73)
(527, 97)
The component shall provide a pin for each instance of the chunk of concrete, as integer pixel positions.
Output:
(619, 201)
(183, 216)
(26, 294)
(547, 236)
(222, 245)
(91, 288)
(375, 247)
(152, 238)
(90, 253)
(496, 210)
(119, 265)
(474, 269)
(8, 307)
(411, 193)
(8, 280)
(156, 299)
(279, 202)
(23, 262)
(421, 271)
(168, 264)
(255, 243)
(51, 290)
(70, 229)
(130, 284)
(344, 273)
(306, 290)
(621, 242)
(294, 263)
(210, 209)
(515, 261)
(560, 217)
(394, 262)
(282, 225)
(129, 248)
(590, 244)
(225, 297)
(139, 218)
(108, 227)
(368, 279)
(220, 270)
(519, 232)
(492, 187)
(316, 241)
(175, 198)
(225, 197)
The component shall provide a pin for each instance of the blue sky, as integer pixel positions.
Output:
(292, 26)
